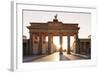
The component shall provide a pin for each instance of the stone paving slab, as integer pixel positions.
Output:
(32, 58)
(55, 57)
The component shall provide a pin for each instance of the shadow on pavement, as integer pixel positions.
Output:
(32, 58)
(63, 57)
(83, 56)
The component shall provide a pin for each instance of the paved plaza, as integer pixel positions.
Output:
(55, 57)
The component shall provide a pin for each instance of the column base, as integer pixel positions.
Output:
(49, 53)
(61, 53)
(77, 52)
(68, 53)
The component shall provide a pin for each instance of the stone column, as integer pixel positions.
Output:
(77, 50)
(52, 49)
(49, 42)
(27, 47)
(31, 44)
(61, 40)
(35, 42)
(85, 48)
(68, 50)
(40, 44)
(44, 44)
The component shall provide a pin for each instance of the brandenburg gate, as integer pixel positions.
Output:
(39, 31)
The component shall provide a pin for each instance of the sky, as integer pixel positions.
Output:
(83, 19)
